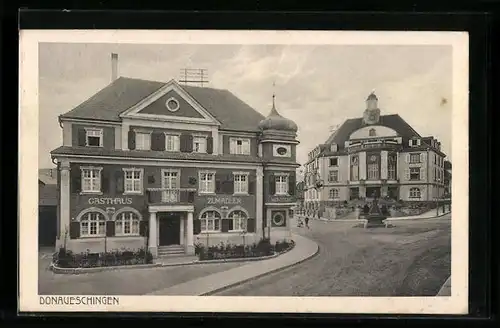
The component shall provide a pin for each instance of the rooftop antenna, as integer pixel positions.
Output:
(194, 75)
(274, 93)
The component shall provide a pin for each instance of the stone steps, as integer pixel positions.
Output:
(172, 250)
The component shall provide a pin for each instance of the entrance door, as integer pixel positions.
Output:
(170, 181)
(170, 229)
(372, 192)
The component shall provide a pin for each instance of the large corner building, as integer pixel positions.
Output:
(164, 166)
(375, 156)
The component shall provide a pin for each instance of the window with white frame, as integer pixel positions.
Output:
(133, 181)
(143, 141)
(391, 167)
(414, 193)
(281, 184)
(91, 179)
(239, 146)
(93, 137)
(210, 221)
(415, 158)
(207, 182)
(92, 224)
(414, 173)
(172, 142)
(241, 183)
(334, 193)
(199, 144)
(127, 224)
(238, 220)
(333, 176)
(373, 171)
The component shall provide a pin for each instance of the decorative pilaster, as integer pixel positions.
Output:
(153, 246)
(349, 167)
(67, 134)
(259, 200)
(362, 165)
(181, 238)
(189, 245)
(383, 164)
(64, 205)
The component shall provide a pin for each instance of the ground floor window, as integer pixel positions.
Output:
(238, 220)
(210, 221)
(414, 193)
(92, 224)
(127, 224)
(354, 193)
(334, 193)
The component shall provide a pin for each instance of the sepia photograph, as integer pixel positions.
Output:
(255, 171)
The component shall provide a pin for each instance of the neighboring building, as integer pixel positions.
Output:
(160, 164)
(447, 178)
(47, 207)
(374, 155)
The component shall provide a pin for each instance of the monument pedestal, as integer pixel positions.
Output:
(375, 217)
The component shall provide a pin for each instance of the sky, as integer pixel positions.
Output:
(317, 86)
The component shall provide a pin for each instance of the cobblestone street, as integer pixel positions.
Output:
(410, 259)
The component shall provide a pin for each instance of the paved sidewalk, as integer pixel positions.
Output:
(303, 250)
(446, 288)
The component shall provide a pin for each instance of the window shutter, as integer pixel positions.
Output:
(251, 184)
(196, 227)
(104, 181)
(250, 225)
(407, 174)
(82, 137)
(272, 184)
(418, 142)
(119, 181)
(225, 225)
(229, 184)
(158, 141)
(407, 157)
(183, 140)
(218, 184)
(143, 228)
(74, 230)
(110, 228)
(423, 173)
(131, 140)
(210, 145)
(76, 180)
(189, 143)
(291, 184)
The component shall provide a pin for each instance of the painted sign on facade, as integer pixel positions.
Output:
(225, 200)
(282, 199)
(109, 201)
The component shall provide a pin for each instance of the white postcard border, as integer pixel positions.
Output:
(28, 174)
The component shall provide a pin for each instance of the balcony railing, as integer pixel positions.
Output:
(171, 195)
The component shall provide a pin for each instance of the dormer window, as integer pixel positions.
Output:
(93, 137)
(333, 147)
(414, 142)
(372, 133)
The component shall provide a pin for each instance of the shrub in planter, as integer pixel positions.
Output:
(66, 259)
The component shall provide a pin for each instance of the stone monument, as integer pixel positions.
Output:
(375, 216)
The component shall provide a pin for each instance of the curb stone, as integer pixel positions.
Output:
(445, 290)
(75, 271)
(261, 275)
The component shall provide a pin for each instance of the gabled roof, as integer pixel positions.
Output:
(45, 177)
(123, 93)
(393, 121)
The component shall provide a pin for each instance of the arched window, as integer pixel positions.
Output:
(127, 224)
(414, 193)
(372, 133)
(238, 220)
(210, 221)
(92, 224)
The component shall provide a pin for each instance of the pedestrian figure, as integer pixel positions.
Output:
(307, 222)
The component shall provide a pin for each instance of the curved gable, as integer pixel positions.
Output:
(373, 131)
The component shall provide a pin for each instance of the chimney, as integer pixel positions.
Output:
(114, 67)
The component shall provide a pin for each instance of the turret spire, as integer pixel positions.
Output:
(274, 94)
